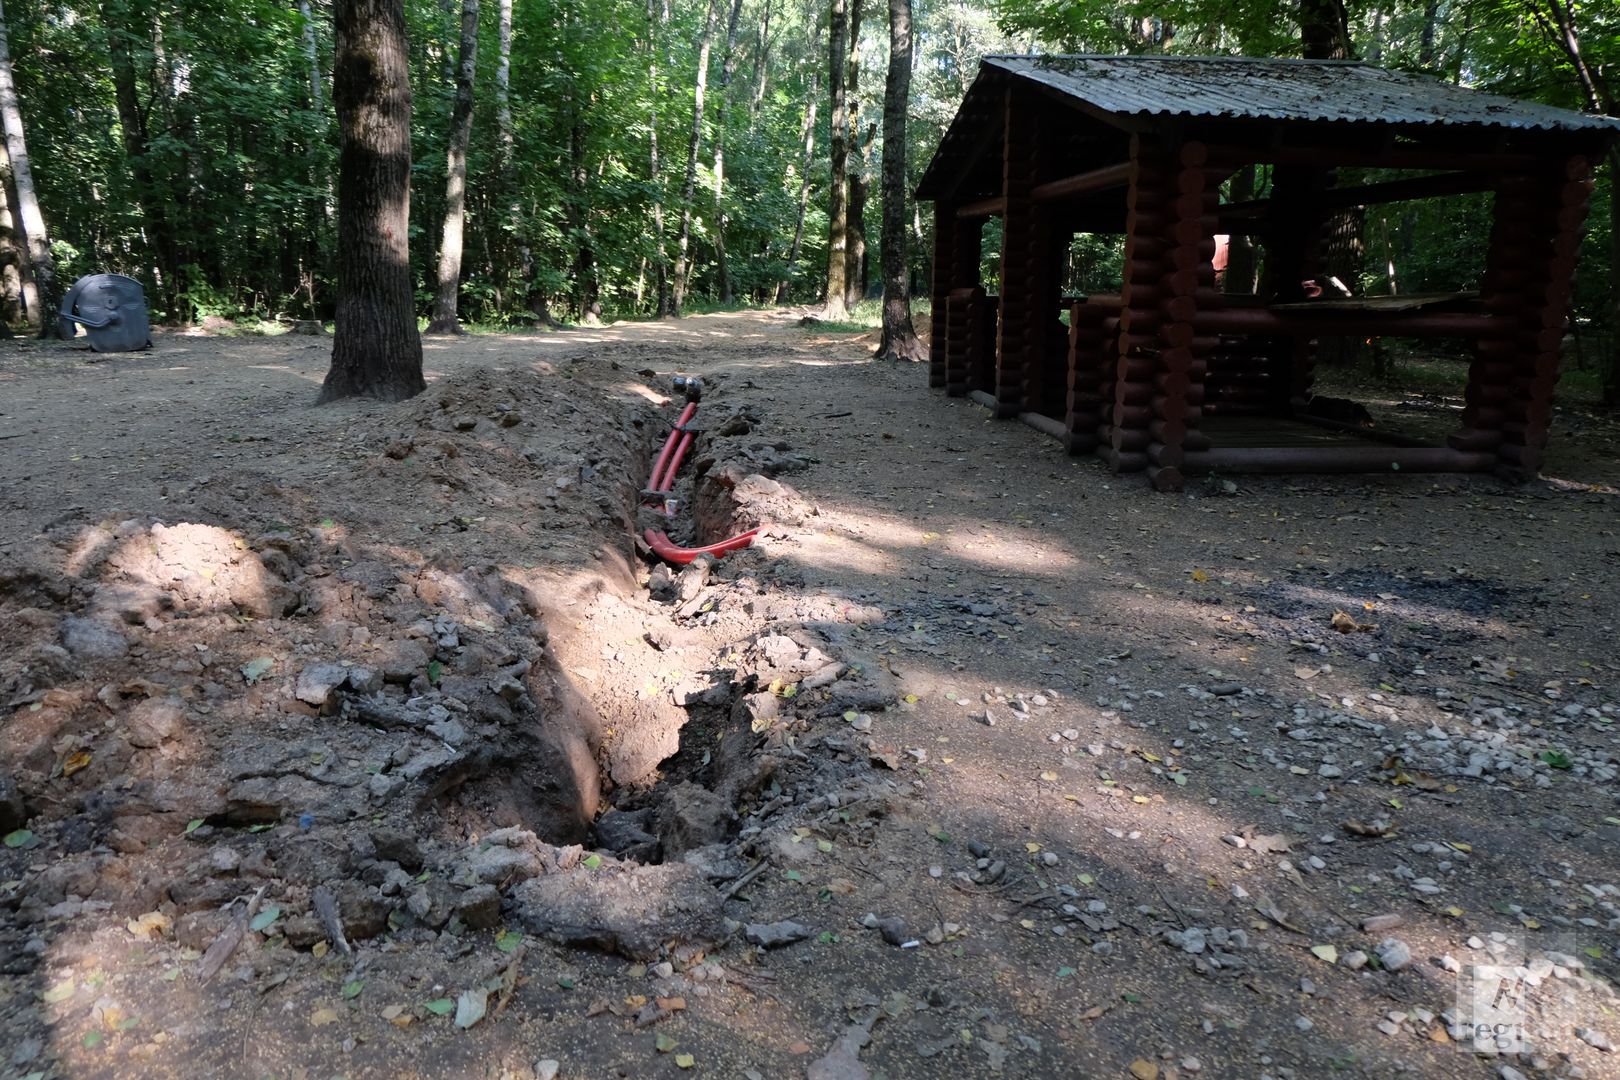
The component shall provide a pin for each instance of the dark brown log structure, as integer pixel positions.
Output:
(1171, 376)
(1020, 318)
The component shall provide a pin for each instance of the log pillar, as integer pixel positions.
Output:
(1542, 247)
(945, 226)
(1149, 204)
(956, 262)
(1085, 371)
(1019, 332)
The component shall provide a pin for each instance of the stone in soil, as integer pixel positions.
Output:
(775, 935)
(636, 912)
(691, 816)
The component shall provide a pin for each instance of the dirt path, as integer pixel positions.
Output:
(1117, 796)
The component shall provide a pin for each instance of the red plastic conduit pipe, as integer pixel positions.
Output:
(658, 481)
(663, 479)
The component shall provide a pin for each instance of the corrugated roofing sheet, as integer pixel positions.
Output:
(1311, 90)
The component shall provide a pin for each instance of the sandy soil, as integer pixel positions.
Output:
(1056, 775)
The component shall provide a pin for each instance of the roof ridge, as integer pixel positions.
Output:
(1161, 57)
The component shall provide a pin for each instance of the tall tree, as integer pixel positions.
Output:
(376, 350)
(838, 210)
(655, 27)
(807, 136)
(855, 250)
(728, 70)
(27, 216)
(683, 265)
(899, 340)
(445, 299)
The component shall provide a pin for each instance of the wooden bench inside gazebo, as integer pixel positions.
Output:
(1173, 376)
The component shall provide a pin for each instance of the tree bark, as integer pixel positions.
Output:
(1324, 33)
(807, 135)
(838, 212)
(855, 244)
(30, 222)
(683, 266)
(728, 70)
(899, 340)
(317, 208)
(762, 64)
(11, 291)
(445, 299)
(376, 351)
(655, 25)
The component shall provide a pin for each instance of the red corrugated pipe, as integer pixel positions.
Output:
(663, 480)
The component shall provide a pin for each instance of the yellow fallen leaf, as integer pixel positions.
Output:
(1149, 757)
(1143, 1069)
(1306, 672)
(685, 1061)
(1464, 848)
(1199, 576)
(1049, 777)
(1140, 799)
(149, 926)
(75, 761)
(1032, 847)
(323, 1017)
(319, 949)
(1027, 924)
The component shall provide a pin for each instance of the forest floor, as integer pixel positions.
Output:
(982, 761)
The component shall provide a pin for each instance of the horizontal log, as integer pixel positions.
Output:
(1353, 323)
(994, 206)
(1475, 439)
(1170, 454)
(1046, 425)
(1333, 459)
(1166, 478)
(1123, 461)
(1133, 440)
(1080, 442)
(1373, 158)
(1109, 176)
(1190, 439)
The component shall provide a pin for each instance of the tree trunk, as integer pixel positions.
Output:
(1241, 263)
(683, 266)
(445, 304)
(762, 64)
(728, 69)
(376, 351)
(807, 135)
(1324, 30)
(838, 212)
(11, 293)
(31, 223)
(899, 340)
(655, 24)
(855, 249)
(317, 208)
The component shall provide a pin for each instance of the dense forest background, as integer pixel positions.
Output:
(191, 143)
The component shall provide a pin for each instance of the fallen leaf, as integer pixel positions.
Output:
(685, 1061)
(1264, 844)
(264, 918)
(75, 761)
(471, 1006)
(1325, 953)
(1199, 576)
(439, 1006)
(323, 1017)
(21, 838)
(1307, 672)
(663, 1043)
(149, 926)
(1143, 1069)
(352, 988)
(254, 670)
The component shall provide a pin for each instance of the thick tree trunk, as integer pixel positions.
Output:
(376, 351)
(855, 244)
(899, 340)
(807, 135)
(445, 320)
(838, 210)
(1242, 265)
(655, 26)
(11, 286)
(31, 223)
(728, 70)
(683, 266)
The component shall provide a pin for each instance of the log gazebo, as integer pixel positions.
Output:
(1172, 376)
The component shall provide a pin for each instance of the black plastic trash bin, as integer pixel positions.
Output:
(111, 309)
